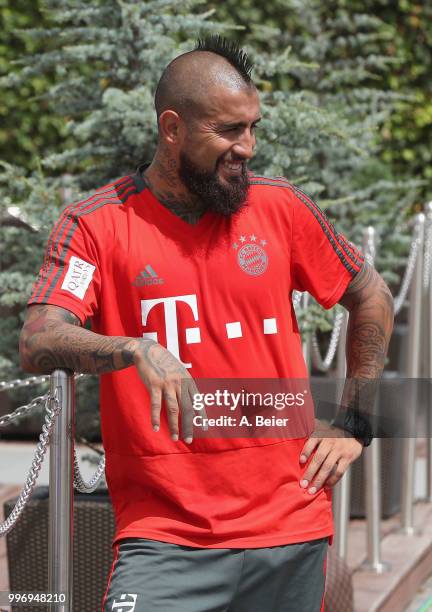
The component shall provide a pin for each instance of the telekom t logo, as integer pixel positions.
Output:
(233, 329)
(193, 335)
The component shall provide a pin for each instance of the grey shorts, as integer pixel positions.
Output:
(152, 576)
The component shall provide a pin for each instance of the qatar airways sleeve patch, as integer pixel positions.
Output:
(78, 277)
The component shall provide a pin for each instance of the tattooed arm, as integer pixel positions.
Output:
(370, 304)
(52, 337)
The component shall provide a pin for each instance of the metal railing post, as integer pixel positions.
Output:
(427, 301)
(342, 490)
(60, 541)
(372, 466)
(413, 371)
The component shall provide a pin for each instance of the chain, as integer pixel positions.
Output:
(88, 487)
(324, 364)
(371, 250)
(7, 418)
(38, 458)
(22, 410)
(36, 464)
(27, 382)
(23, 382)
(407, 277)
(296, 297)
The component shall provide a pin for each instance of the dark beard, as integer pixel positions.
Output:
(206, 186)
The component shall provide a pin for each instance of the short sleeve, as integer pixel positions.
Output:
(323, 261)
(70, 273)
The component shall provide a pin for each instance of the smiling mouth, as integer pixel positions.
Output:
(233, 167)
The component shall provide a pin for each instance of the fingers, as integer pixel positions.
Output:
(319, 465)
(308, 449)
(155, 407)
(338, 471)
(178, 401)
(329, 462)
(193, 391)
(164, 377)
(187, 411)
(321, 430)
(318, 474)
(170, 396)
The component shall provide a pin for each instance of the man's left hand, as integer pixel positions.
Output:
(332, 451)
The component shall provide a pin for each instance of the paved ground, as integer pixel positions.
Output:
(16, 458)
(422, 602)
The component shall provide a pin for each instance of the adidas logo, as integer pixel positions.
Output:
(147, 277)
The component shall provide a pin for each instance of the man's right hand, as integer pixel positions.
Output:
(168, 381)
(52, 337)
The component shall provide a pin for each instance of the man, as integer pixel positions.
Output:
(186, 271)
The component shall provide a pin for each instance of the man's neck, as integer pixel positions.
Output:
(162, 179)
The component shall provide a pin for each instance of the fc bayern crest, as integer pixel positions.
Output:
(252, 257)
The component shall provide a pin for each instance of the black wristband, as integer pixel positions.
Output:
(355, 423)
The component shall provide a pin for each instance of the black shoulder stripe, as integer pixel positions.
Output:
(124, 188)
(336, 243)
(349, 252)
(341, 248)
(271, 183)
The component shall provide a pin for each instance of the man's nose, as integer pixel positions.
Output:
(245, 146)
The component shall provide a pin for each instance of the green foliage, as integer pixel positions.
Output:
(364, 48)
(29, 126)
(28, 207)
(408, 133)
(109, 105)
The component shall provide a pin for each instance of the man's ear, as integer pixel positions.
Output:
(170, 127)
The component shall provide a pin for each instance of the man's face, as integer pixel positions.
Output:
(214, 154)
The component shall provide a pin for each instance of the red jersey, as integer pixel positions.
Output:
(217, 294)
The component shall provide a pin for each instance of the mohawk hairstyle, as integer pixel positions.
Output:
(230, 51)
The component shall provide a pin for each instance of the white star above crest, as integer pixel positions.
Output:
(252, 238)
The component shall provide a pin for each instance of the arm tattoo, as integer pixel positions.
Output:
(52, 337)
(370, 326)
(160, 361)
(361, 280)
